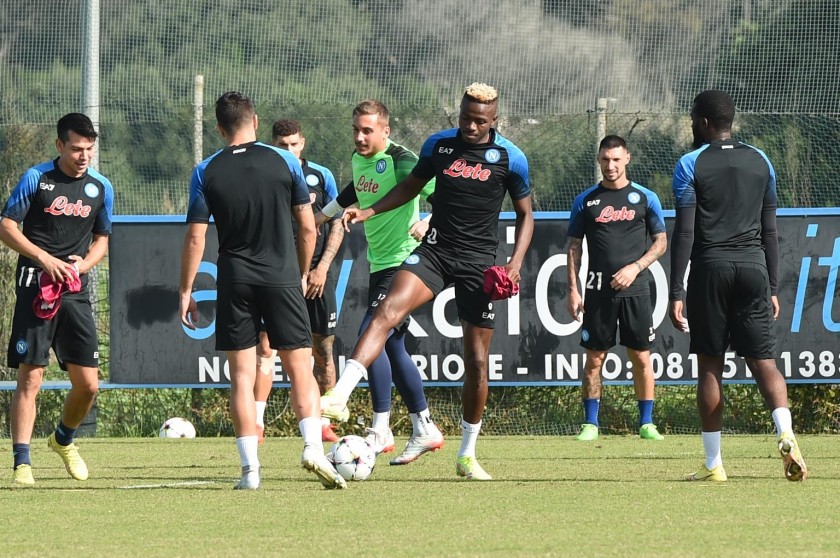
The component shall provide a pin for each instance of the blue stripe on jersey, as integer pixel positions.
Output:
(429, 144)
(330, 189)
(684, 179)
(20, 199)
(770, 198)
(519, 184)
(198, 211)
(102, 224)
(655, 218)
(300, 191)
(576, 216)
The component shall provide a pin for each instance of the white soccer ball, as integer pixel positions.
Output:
(177, 427)
(353, 458)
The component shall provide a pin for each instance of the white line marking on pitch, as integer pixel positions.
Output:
(167, 485)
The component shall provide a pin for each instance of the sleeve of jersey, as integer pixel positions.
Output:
(425, 167)
(21, 199)
(769, 235)
(330, 190)
(683, 183)
(348, 196)
(576, 228)
(519, 184)
(655, 218)
(300, 191)
(102, 225)
(198, 211)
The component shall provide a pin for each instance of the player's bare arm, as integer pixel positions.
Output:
(625, 276)
(191, 254)
(574, 302)
(98, 249)
(401, 194)
(317, 277)
(306, 236)
(522, 240)
(12, 236)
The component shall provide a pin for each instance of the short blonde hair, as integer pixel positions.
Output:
(482, 93)
(373, 106)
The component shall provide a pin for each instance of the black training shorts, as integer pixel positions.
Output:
(634, 317)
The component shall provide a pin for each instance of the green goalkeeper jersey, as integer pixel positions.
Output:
(387, 233)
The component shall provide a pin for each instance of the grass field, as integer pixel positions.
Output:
(620, 496)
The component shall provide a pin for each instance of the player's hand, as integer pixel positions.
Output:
(58, 270)
(775, 301)
(418, 230)
(355, 215)
(676, 313)
(574, 304)
(315, 280)
(189, 311)
(624, 277)
(513, 272)
(82, 266)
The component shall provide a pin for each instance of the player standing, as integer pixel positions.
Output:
(616, 217)
(253, 190)
(725, 194)
(378, 165)
(474, 168)
(65, 208)
(320, 287)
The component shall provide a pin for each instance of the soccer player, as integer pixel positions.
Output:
(65, 208)
(616, 217)
(725, 194)
(475, 167)
(320, 288)
(253, 190)
(378, 165)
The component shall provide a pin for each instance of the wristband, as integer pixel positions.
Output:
(331, 208)
(639, 266)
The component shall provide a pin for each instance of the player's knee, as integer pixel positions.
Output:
(29, 384)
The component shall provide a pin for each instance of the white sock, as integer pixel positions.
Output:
(325, 421)
(310, 431)
(260, 406)
(422, 423)
(784, 423)
(469, 436)
(381, 421)
(711, 445)
(350, 377)
(247, 446)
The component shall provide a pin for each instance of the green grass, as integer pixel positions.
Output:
(620, 496)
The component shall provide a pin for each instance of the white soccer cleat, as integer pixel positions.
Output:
(380, 442)
(315, 461)
(250, 479)
(417, 446)
(334, 408)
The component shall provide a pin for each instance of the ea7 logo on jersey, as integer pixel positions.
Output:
(609, 214)
(446, 150)
(590, 203)
(46, 186)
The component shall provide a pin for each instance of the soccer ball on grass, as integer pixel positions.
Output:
(177, 427)
(353, 458)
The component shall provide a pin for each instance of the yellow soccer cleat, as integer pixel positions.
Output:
(716, 474)
(588, 433)
(73, 462)
(334, 409)
(23, 476)
(795, 469)
(469, 468)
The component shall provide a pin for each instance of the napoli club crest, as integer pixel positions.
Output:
(492, 155)
(21, 347)
(412, 259)
(381, 166)
(91, 190)
(312, 180)
(584, 334)
(634, 197)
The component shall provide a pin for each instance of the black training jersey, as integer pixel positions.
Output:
(322, 190)
(471, 183)
(249, 190)
(616, 225)
(727, 189)
(60, 214)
